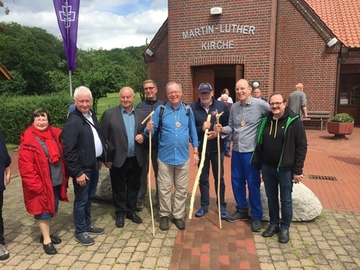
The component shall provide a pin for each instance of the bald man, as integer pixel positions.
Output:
(122, 127)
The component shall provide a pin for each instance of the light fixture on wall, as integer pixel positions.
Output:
(216, 11)
(149, 52)
(332, 42)
(255, 84)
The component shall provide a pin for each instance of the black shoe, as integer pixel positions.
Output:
(238, 216)
(55, 240)
(271, 230)
(134, 218)
(4, 254)
(164, 223)
(95, 230)
(284, 236)
(179, 223)
(256, 226)
(50, 249)
(139, 206)
(120, 221)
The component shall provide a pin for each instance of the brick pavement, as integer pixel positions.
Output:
(329, 242)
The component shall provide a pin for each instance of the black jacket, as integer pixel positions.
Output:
(200, 117)
(294, 147)
(147, 106)
(5, 160)
(78, 144)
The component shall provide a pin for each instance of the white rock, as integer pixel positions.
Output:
(306, 206)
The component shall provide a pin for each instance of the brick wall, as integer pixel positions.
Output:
(302, 56)
(158, 68)
(256, 50)
(280, 53)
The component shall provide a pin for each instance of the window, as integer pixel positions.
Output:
(350, 88)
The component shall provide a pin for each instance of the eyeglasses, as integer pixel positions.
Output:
(276, 104)
(149, 88)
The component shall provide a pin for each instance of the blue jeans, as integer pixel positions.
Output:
(83, 198)
(204, 179)
(274, 179)
(242, 172)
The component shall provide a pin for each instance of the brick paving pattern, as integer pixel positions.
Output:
(331, 241)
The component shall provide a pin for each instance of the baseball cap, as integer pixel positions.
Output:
(205, 88)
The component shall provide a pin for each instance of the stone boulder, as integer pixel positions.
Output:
(104, 191)
(306, 206)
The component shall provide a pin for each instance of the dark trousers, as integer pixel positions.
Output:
(125, 184)
(212, 158)
(144, 178)
(273, 181)
(2, 240)
(83, 199)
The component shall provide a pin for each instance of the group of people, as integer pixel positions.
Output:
(268, 140)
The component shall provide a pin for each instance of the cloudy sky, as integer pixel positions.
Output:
(103, 24)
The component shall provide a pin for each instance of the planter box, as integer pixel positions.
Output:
(340, 129)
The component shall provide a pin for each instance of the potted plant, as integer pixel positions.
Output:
(340, 124)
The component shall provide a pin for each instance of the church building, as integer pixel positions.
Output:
(277, 43)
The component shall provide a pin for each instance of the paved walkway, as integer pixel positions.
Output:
(332, 241)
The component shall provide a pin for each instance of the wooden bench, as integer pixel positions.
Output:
(317, 116)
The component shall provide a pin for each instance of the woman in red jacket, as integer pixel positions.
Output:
(42, 169)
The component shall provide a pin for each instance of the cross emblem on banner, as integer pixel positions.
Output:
(67, 16)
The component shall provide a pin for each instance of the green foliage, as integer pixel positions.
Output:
(37, 61)
(342, 117)
(31, 52)
(16, 112)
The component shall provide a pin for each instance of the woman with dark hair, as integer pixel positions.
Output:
(42, 169)
(5, 161)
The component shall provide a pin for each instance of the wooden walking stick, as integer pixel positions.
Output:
(219, 168)
(149, 174)
(196, 183)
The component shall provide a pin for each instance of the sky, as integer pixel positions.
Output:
(103, 24)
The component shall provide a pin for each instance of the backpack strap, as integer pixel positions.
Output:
(162, 110)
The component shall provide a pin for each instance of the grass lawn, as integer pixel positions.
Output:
(112, 100)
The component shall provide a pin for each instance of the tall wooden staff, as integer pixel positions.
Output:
(219, 168)
(196, 183)
(149, 173)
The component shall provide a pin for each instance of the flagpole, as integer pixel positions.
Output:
(70, 83)
(68, 44)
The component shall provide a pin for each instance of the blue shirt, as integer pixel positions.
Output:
(129, 121)
(178, 129)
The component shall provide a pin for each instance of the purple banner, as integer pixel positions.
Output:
(67, 13)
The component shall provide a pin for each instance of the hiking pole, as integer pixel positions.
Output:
(149, 173)
(196, 183)
(219, 168)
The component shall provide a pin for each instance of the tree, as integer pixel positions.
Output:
(32, 52)
(6, 10)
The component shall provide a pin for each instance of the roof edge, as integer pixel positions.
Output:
(4, 73)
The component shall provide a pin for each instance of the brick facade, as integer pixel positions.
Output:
(279, 47)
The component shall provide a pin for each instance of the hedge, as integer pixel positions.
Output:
(16, 111)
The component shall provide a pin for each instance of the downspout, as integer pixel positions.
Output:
(339, 60)
(275, 45)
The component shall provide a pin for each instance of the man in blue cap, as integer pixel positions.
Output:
(204, 106)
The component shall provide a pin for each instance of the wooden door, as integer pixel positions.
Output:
(201, 75)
